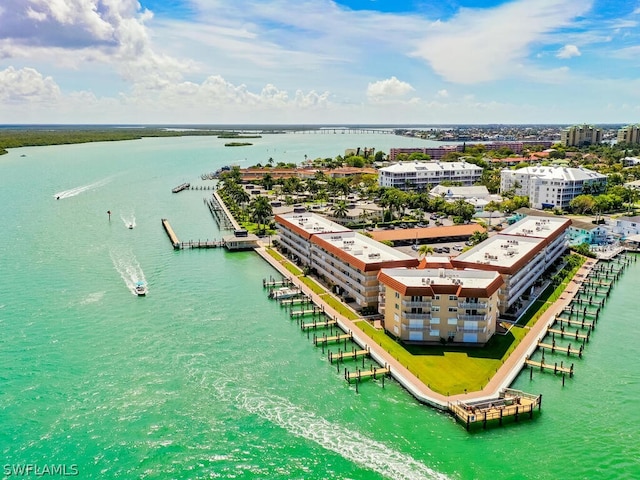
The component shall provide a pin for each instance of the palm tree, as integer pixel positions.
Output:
(268, 181)
(260, 210)
(424, 250)
(340, 209)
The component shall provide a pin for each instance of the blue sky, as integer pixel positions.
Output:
(319, 61)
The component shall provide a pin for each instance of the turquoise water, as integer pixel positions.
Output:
(205, 377)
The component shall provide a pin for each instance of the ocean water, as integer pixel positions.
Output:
(207, 378)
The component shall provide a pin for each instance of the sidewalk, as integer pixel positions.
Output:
(505, 375)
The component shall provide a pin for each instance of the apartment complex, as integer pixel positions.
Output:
(520, 254)
(426, 175)
(550, 187)
(432, 305)
(346, 260)
(437, 153)
(579, 135)
(629, 134)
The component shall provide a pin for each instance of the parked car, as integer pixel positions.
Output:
(457, 248)
(446, 249)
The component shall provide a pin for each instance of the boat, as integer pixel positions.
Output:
(130, 225)
(284, 292)
(141, 289)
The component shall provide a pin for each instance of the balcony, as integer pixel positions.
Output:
(417, 316)
(471, 330)
(410, 304)
(472, 318)
(472, 305)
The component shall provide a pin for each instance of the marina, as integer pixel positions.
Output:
(113, 386)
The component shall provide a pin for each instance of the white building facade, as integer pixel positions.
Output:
(551, 187)
(426, 175)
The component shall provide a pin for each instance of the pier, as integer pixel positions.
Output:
(361, 374)
(315, 325)
(561, 349)
(180, 187)
(562, 332)
(172, 235)
(547, 366)
(510, 403)
(352, 355)
(333, 338)
(178, 245)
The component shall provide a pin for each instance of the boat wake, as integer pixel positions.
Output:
(72, 192)
(129, 269)
(129, 222)
(350, 444)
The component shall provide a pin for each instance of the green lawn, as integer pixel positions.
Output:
(445, 369)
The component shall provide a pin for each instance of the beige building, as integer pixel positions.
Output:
(520, 253)
(436, 305)
(579, 135)
(629, 134)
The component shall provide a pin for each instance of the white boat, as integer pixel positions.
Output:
(284, 292)
(130, 225)
(141, 289)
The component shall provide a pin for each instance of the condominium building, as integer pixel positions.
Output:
(346, 260)
(434, 305)
(629, 134)
(426, 175)
(520, 253)
(550, 187)
(579, 135)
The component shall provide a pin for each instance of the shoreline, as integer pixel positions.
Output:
(501, 380)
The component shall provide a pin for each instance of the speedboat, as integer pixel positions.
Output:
(130, 225)
(284, 292)
(141, 289)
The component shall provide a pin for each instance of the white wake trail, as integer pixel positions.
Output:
(72, 192)
(129, 269)
(349, 444)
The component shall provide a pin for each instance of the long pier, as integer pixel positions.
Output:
(178, 245)
(172, 235)
(561, 349)
(354, 354)
(360, 374)
(315, 325)
(180, 187)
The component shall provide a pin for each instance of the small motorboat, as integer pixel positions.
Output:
(130, 225)
(141, 289)
(284, 292)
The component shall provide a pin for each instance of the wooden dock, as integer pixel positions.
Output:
(272, 283)
(332, 338)
(201, 244)
(172, 235)
(575, 323)
(374, 373)
(354, 354)
(305, 311)
(561, 349)
(296, 301)
(547, 366)
(315, 325)
(180, 187)
(577, 335)
(509, 404)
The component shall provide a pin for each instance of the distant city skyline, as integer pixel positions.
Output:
(320, 62)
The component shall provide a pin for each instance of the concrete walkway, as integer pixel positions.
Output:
(503, 378)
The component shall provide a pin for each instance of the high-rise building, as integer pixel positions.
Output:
(580, 135)
(629, 134)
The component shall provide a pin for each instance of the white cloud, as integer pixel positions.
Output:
(27, 86)
(388, 89)
(442, 94)
(479, 45)
(568, 51)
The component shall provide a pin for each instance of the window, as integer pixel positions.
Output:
(453, 298)
(435, 321)
(397, 295)
(435, 308)
(452, 321)
(436, 297)
(453, 309)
